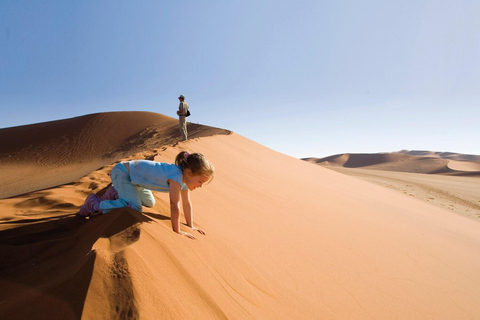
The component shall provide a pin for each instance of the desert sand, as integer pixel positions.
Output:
(286, 239)
(448, 180)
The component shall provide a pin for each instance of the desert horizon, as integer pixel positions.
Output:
(390, 235)
(446, 179)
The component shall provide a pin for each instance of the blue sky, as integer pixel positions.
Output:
(306, 78)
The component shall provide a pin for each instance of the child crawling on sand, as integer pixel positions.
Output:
(133, 181)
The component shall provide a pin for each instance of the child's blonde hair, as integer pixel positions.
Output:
(196, 162)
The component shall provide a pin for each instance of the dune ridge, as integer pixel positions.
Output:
(286, 239)
(43, 155)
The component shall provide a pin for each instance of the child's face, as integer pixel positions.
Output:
(195, 181)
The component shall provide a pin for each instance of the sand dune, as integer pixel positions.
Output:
(286, 239)
(465, 166)
(446, 179)
(48, 154)
(406, 161)
(385, 161)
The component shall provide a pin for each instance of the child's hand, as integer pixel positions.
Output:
(186, 234)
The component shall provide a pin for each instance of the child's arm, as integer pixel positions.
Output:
(188, 210)
(175, 208)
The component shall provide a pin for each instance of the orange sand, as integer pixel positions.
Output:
(286, 239)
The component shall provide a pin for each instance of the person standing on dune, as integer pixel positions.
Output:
(182, 116)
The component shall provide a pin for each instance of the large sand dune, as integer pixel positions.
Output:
(47, 154)
(286, 239)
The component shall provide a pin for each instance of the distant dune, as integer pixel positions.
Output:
(406, 161)
(443, 155)
(446, 179)
(464, 166)
(286, 239)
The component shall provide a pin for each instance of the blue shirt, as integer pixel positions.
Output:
(154, 175)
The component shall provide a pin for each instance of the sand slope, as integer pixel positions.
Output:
(47, 154)
(286, 239)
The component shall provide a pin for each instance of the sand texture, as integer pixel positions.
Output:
(286, 239)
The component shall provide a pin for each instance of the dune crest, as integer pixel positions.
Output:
(44, 155)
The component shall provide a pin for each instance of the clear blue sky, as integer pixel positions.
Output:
(306, 78)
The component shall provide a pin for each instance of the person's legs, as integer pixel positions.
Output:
(127, 193)
(183, 127)
(146, 197)
(91, 206)
(185, 132)
(110, 194)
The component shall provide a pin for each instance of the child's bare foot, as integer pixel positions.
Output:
(186, 234)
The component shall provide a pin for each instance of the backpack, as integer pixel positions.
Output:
(188, 113)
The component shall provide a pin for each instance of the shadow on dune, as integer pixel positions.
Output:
(156, 216)
(46, 266)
